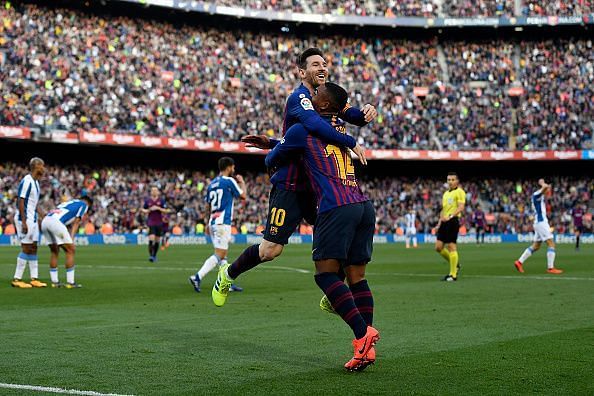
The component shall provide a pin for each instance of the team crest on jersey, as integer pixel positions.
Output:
(306, 104)
(450, 200)
(273, 230)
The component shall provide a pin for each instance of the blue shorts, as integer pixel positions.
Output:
(286, 209)
(345, 233)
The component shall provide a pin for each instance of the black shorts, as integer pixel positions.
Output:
(579, 229)
(345, 234)
(286, 209)
(480, 228)
(156, 230)
(448, 231)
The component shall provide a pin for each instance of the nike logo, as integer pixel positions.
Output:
(363, 348)
(313, 251)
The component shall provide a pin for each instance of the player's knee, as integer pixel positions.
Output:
(269, 252)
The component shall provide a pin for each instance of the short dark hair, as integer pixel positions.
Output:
(453, 174)
(225, 162)
(338, 95)
(302, 59)
(88, 199)
(34, 162)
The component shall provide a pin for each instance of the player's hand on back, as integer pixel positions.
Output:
(360, 152)
(370, 112)
(257, 141)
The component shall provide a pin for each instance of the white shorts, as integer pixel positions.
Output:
(32, 235)
(410, 231)
(220, 235)
(55, 232)
(542, 232)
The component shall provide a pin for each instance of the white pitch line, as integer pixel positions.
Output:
(126, 267)
(304, 271)
(56, 390)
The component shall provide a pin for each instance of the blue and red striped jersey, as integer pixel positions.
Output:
(299, 109)
(329, 167)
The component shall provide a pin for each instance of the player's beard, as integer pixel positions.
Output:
(313, 80)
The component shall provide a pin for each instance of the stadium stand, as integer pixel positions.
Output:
(119, 193)
(74, 71)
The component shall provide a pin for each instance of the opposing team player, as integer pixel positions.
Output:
(447, 227)
(155, 207)
(220, 194)
(290, 199)
(411, 227)
(55, 230)
(27, 227)
(542, 231)
(344, 227)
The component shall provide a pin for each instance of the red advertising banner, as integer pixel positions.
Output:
(238, 147)
(14, 132)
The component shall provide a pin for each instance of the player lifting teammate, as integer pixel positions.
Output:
(290, 200)
(542, 231)
(447, 227)
(344, 227)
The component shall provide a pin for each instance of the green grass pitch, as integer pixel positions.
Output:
(139, 328)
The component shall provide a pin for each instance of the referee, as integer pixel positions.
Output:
(449, 222)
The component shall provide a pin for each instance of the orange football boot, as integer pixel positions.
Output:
(361, 347)
(555, 271)
(519, 266)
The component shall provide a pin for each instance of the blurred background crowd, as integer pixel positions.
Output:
(119, 193)
(68, 70)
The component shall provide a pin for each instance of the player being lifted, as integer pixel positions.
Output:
(220, 194)
(447, 227)
(55, 230)
(344, 227)
(290, 199)
(155, 207)
(542, 231)
(27, 227)
(410, 219)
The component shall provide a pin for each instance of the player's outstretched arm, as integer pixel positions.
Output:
(303, 110)
(262, 142)
(294, 141)
(359, 117)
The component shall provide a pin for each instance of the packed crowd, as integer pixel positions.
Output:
(420, 8)
(119, 193)
(67, 70)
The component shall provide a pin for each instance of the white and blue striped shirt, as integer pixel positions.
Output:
(220, 194)
(68, 211)
(538, 207)
(29, 191)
